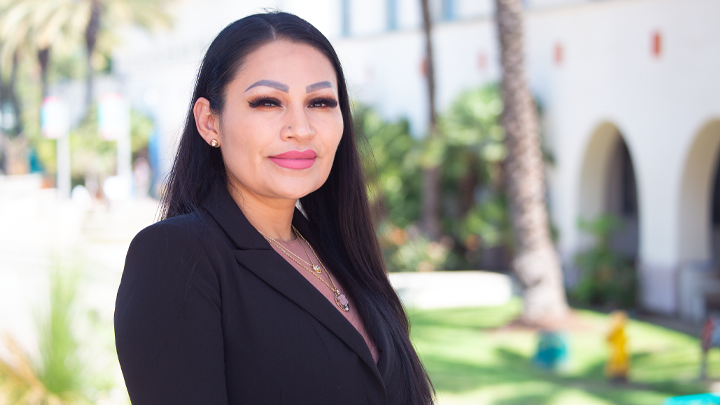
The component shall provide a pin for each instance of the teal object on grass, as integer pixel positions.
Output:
(552, 351)
(699, 399)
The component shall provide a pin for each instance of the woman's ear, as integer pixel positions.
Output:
(207, 122)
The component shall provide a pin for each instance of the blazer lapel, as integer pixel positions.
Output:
(254, 253)
(382, 339)
(279, 274)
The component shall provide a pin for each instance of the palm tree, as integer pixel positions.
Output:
(41, 25)
(15, 33)
(431, 171)
(147, 14)
(536, 262)
(91, 33)
(56, 26)
(28, 26)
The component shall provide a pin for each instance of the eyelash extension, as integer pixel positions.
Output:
(330, 102)
(261, 100)
(258, 101)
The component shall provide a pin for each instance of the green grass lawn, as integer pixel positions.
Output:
(470, 362)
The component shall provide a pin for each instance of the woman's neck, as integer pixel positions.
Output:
(271, 216)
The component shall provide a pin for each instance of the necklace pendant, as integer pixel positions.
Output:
(341, 301)
(316, 268)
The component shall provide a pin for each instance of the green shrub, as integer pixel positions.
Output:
(606, 277)
(63, 373)
(469, 151)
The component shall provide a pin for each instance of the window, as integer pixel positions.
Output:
(345, 10)
(716, 198)
(629, 190)
(448, 10)
(392, 15)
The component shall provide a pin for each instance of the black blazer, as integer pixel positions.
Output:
(208, 313)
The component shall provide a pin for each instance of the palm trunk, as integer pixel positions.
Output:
(3, 140)
(468, 183)
(91, 34)
(15, 144)
(431, 175)
(3, 154)
(536, 262)
(2, 83)
(15, 150)
(12, 94)
(44, 59)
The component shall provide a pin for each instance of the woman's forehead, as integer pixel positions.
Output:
(280, 62)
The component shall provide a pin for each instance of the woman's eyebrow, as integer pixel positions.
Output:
(318, 86)
(270, 83)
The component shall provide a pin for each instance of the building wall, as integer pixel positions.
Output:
(659, 105)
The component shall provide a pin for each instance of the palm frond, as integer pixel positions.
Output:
(19, 383)
(57, 377)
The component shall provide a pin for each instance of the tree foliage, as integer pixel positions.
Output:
(391, 162)
(468, 151)
(472, 152)
(606, 277)
(45, 41)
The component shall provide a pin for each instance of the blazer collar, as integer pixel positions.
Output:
(225, 211)
(255, 254)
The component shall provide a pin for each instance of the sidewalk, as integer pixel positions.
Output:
(678, 325)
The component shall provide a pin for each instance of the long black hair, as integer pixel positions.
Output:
(338, 211)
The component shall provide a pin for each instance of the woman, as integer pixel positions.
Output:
(237, 297)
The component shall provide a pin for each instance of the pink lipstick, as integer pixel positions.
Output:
(295, 159)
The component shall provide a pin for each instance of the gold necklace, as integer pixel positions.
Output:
(340, 299)
(290, 253)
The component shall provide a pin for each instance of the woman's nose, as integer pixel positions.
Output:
(298, 124)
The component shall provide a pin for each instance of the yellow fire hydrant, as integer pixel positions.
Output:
(618, 361)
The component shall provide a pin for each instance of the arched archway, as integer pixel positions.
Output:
(608, 185)
(715, 216)
(621, 199)
(696, 196)
(594, 174)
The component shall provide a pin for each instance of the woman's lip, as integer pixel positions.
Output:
(293, 163)
(295, 154)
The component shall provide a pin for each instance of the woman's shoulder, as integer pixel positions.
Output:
(174, 250)
(174, 237)
(166, 268)
(181, 229)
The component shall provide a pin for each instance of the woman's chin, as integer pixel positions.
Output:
(295, 187)
(294, 193)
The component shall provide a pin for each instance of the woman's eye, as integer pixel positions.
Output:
(264, 102)
(323, 102)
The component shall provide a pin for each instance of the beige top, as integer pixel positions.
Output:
(296, 246)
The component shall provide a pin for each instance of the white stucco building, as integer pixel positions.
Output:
(630, 90)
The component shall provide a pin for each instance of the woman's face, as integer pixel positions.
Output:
(281, 123)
